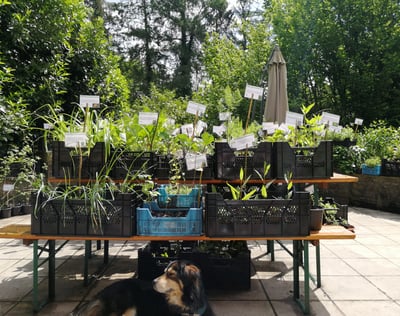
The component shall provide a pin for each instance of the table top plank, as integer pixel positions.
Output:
(23, 232)
(336, 178)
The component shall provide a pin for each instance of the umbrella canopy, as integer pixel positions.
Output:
(277, 100)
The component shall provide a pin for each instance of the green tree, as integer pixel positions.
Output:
(342, 55)
(161, 40)
(57, 53)
(229, 66)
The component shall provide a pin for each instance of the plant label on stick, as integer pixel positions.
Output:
(187, 129)
(358, 121)
(253, 92)
(269, 127)
(200, 127)
(147, 118)
(195, 108)
(7, 187)
(330, 119)
(73, 140)
(219, 129)
(242, 142)
(195, 162)
(89, 101)
(294, 119)
(335, 129)
(225, 116)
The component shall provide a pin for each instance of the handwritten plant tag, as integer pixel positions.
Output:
(89, 101)
(200, 127)
(330, 119)
(269, 127)
(284, 128)
(219, 129)
(242, 142)
(195, 162)
(253, 92)
(358, 121)
(73, 140)
(147, 118)
(8, 187)
(225, 116)
(187, 129)
(294, 119)
(195, 108)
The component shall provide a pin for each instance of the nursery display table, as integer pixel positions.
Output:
(300, 253)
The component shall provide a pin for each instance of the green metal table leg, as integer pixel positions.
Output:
(88, 252)
(35, 294)
(106, 251)
(306, 279)
(52, 270)
(318, 263)
(296, 265)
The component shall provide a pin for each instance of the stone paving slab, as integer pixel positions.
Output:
(359, 276)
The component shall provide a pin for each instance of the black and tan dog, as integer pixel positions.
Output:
(177, 292)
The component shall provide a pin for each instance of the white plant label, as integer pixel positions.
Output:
(330, 119)
(8, 187)
(73, 140)
(187, 129)
(253, 92)
(195, 162)
(269, 127)
(358, 121)
(89, 101)
(219, 129)
(242, 142)
(147, 118)
(335, 129)
(294, 119)
(225, 116)
(195, 108)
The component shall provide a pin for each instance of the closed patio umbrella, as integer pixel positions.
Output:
(277, 100)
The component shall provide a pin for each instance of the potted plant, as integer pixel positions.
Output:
(372, 166)
(87, 148)
(304, 149)
(95, 207)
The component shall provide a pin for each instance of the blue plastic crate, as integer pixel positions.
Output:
(154, 221)
(193, 199)
(372, 171)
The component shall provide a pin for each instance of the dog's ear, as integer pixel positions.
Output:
(193, 290)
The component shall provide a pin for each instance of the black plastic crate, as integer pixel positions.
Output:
(132, 163)
(206, 174)
(218, 271)
(168, 166)
(341, 210)
(66, 165)
(390, 168)
(59, 217)
(257, 218)
(229, 161)
(163, 166)
(71, 217)
(303, 162)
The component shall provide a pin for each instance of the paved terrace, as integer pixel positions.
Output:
(359, 277)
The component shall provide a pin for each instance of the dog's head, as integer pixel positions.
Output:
(182, 286)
